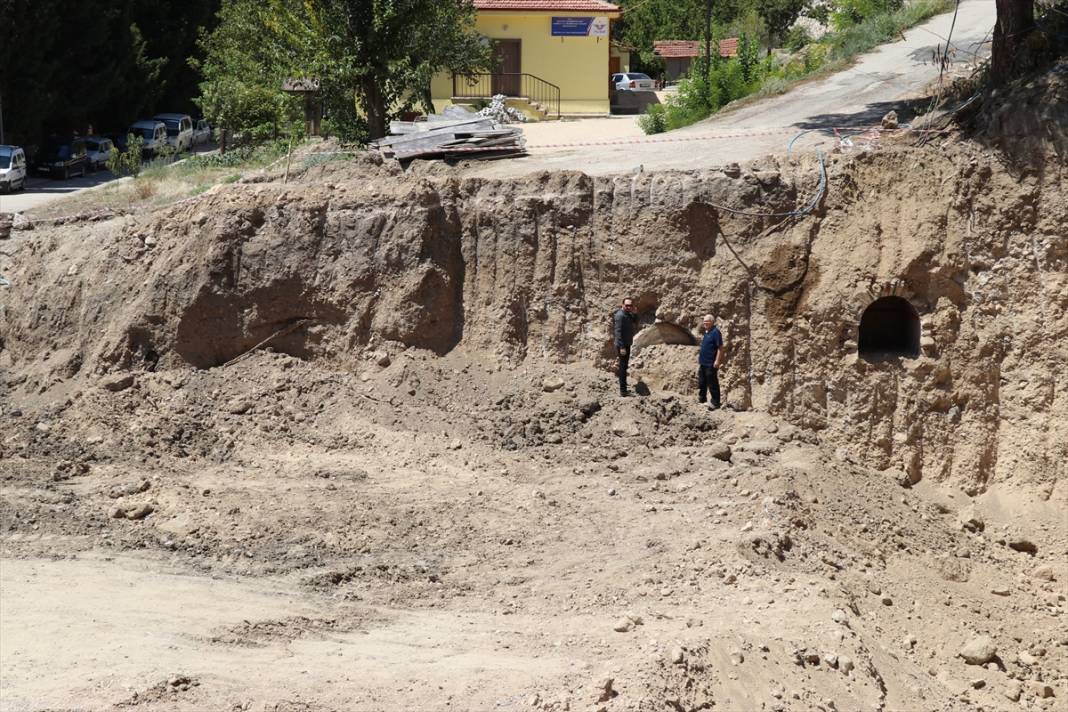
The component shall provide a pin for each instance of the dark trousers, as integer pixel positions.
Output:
(624, 361)
(708, 382)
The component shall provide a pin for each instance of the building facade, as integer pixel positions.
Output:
(553, 54)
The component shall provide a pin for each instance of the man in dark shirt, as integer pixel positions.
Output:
(624, 324)
(708, 360)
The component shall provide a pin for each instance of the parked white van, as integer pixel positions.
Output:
(12, 168)
(154, 134)
(179, 130)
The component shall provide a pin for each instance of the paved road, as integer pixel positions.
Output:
(43, 190)
(880, 81)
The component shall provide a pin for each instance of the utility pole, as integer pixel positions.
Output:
(1, 118)
(708, 41)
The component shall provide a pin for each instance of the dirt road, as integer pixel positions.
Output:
(860, 95)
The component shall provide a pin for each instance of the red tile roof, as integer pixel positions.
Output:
(676, 48)
(599, 6)
(672, 49)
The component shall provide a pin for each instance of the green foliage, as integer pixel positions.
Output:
(654, 120)
(796, 38)
(372, 60)
(129, 163)
(243, 73)
(846, 13)
(94, 63)
(779, 15)
(748, 57)
(750, 25)
(882, 27)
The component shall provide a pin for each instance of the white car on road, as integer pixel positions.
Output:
(12, 169)
(179, 130)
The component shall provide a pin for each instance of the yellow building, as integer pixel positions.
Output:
(554, 57)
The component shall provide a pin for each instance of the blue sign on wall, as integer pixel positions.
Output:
(571, 26)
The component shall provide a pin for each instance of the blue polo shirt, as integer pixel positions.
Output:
(710, 346)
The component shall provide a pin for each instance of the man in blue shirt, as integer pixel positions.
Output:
(708, 360)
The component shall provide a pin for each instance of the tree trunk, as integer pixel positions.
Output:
(375, 106)
(1016, 19)
(708, 40)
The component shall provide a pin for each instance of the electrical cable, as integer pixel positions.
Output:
(821, 190)
(949, 39)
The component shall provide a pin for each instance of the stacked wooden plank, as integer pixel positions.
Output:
(454, 135)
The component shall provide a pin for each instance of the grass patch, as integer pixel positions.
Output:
(163, 181)
(734, 79)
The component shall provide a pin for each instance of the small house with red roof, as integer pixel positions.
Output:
(553, 57)
(678, 55)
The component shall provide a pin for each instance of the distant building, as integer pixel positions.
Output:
(678, 55)
(554, 57)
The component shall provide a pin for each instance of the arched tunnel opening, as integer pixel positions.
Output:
(889, 326)
(663, 332)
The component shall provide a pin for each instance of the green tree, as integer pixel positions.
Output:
(385, 52)
(372, 58)
(779, 15)
(748, 58)
(244, 64)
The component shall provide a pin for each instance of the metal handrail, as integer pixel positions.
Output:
(487, 84)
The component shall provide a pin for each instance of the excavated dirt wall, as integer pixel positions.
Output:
(532, 268)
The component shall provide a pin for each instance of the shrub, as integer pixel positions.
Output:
(797, 38)
(130, 162)
(748, 57)
(654, 120)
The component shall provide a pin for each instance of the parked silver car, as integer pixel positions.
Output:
(633, 81)
(154, 134)
(179, 130)
(201, 132)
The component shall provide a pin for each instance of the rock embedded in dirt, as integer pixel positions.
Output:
(720, 450)
(626, 428)
(117, 382)
(1044, 572)
(677, 656)
(139, 512)
(979, 650)
(1013, 690)
(970, 521)
(845, 663)
(623, 625)
(550, 384)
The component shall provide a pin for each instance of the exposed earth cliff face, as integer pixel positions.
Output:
(531, 269)
(420, 492)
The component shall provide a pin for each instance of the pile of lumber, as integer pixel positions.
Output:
(456, 134)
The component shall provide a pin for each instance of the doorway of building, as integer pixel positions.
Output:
(506, 80)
